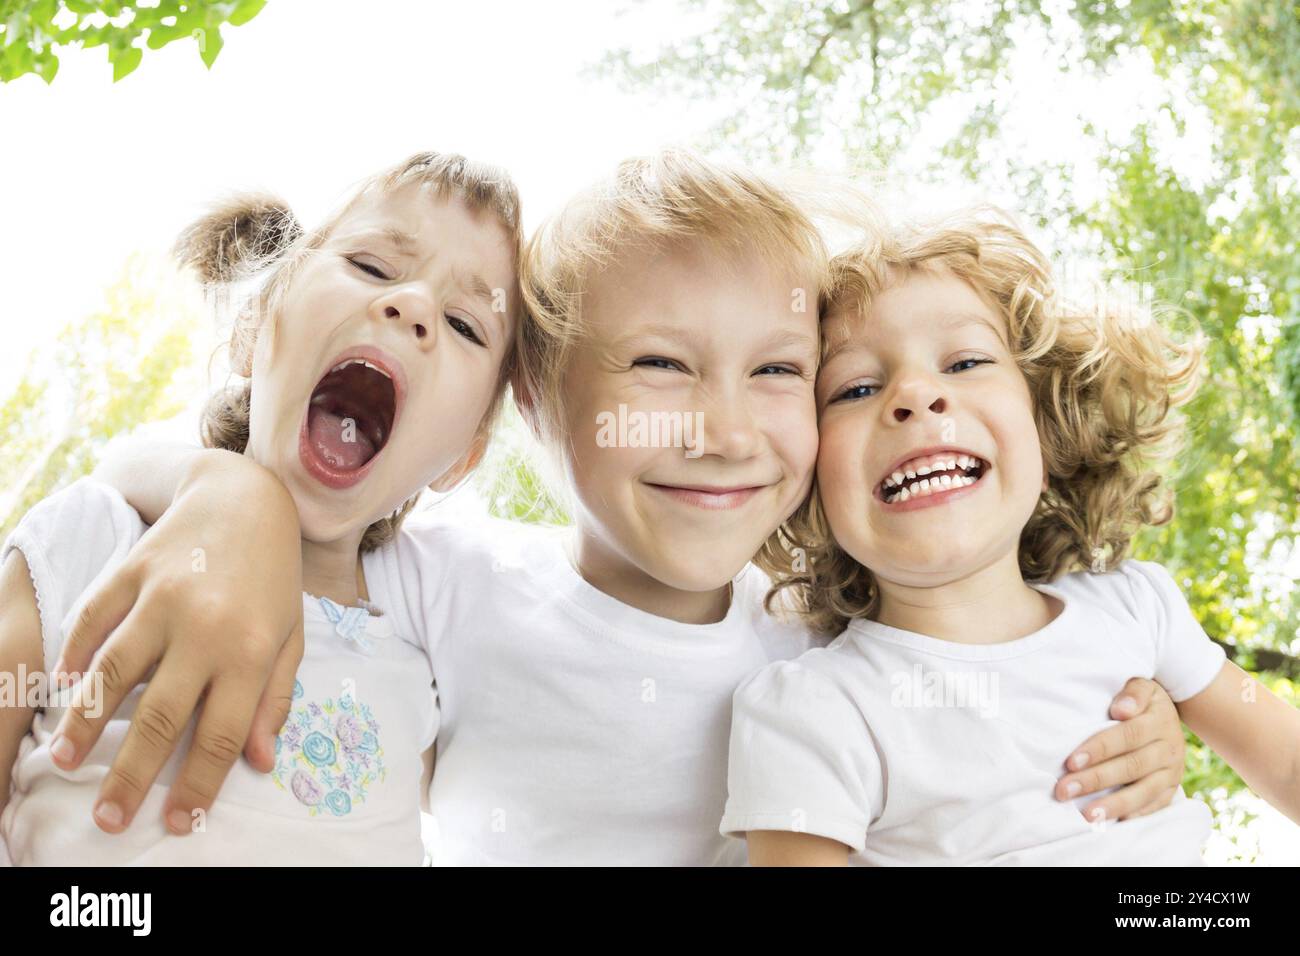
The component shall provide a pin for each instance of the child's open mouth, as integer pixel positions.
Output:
(350, 418)
(931, 475)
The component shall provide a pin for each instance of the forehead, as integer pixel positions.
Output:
(416, 221)
(919, 302)
(692, 284)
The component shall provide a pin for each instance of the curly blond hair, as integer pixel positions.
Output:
(1104, 384)
(255, 237)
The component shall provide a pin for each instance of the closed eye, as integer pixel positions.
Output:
(463, 328)
(368, 269)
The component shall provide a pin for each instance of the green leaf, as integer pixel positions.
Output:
(47, 66)
(245, 11)
(210, 44)
(124, 61)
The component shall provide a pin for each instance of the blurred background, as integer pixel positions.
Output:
(1153, 147)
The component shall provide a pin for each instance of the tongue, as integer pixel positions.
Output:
(338, 441)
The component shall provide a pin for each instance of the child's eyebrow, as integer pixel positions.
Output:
(478, 287)
(950, 320)
(403, 242)
(788, 339)
(671, 333)
(956, 320)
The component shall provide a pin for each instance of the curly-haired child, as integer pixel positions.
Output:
(986, 456)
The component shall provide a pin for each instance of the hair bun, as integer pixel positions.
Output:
(237, 237)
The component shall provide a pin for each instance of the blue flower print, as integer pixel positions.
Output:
(329, 754)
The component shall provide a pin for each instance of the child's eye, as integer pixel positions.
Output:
(854, 392)
(464, 328)
(968, 363)
(655, 361)
(368, 269)
(777, 370)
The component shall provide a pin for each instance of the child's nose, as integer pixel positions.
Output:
(902, 413)
(729, 430)
(919, 394)
(411, 308)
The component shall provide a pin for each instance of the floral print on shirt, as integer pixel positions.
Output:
(328, 754)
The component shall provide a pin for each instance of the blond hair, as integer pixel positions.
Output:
(257, 237)
(1104, 385)
(674, 197)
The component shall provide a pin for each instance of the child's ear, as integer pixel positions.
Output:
(526, 402)
(458, 472)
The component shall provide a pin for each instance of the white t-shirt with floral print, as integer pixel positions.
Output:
(345, 788)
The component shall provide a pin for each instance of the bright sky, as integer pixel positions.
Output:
(309, 97)
(304, 100)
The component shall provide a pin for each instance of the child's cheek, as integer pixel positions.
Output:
(841, 476)
(789, 416)
(798, 435)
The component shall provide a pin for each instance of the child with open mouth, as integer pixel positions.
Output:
(986, 456)
(374, 354)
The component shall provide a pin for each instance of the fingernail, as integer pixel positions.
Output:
(109, 814)
(1126, 703)
(1072, 788)
(178, 821)
(1096, 813)
(1080, 760)
(62, 750)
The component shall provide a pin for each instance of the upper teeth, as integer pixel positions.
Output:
(356, 361)
(919, 468)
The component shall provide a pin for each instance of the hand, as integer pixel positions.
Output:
(211, 595)
(1143, 754)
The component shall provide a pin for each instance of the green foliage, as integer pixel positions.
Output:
(131, 362)
(509, 481)
(868, 79)
(31, 31)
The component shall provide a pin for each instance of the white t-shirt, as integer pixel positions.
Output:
(346, 788)
(913, 750)
(575, 729)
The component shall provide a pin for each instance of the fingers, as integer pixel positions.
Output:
(277, 698)
(1128, 767)
(1134, 699)
(101, 612)
(1114, 740)
(1162, 800)
(218, 740)
(118, 667)
(1145, 796)
(157, 725)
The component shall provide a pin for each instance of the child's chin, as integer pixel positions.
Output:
(697, 573)
(321, 526)
(920, 564)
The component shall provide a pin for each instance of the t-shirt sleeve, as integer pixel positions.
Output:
(801, 759)
(421, 553)
(68, 540)
(1186, 659)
